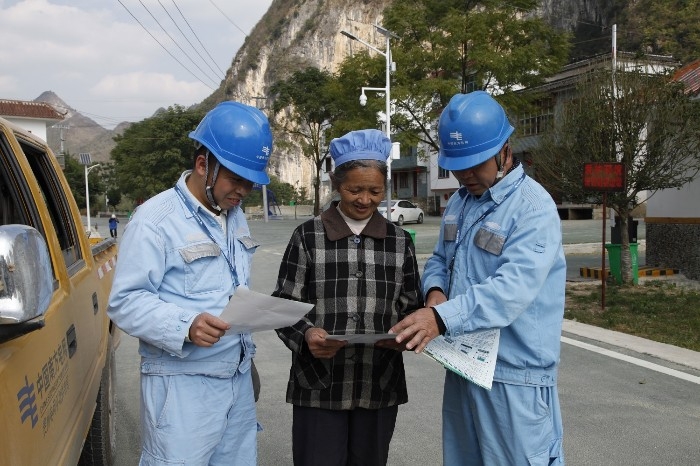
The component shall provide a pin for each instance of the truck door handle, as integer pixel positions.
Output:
(72, 340)
(95, 304)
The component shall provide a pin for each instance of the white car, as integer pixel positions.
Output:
(402, 211)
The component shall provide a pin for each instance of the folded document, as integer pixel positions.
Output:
(471, 355)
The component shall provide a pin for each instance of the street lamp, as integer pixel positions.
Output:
(86, 160)
(387, 94)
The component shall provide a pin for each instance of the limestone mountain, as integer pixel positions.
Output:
(290, 36)
(79, 133)
(295, 34)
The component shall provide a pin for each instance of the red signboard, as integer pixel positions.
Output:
(604, 176)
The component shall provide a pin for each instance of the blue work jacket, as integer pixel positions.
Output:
(508, 272)
(168, 271)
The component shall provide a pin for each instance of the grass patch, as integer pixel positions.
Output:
(655, 310)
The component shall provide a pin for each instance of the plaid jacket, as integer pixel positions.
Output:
(359, 284)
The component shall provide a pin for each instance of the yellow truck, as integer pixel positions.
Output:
(56, 342)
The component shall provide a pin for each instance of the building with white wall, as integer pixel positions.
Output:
(673, 215)
(33, 116)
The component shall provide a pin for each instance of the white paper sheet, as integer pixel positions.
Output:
(250, 311)
(472, 355)
(362, 338)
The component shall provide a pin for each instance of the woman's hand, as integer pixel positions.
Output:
(320, 346)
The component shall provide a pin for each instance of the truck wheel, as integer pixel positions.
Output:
(100, 443)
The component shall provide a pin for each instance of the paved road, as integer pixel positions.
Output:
(624, 400)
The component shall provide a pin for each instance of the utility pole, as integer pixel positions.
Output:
(260, 107)
(86, 159)
(62, 139)
(62, 153)
(390, 66)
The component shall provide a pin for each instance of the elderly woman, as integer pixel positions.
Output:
(360, 272)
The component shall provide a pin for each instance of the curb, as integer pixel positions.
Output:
(595, 248)
(670, 353)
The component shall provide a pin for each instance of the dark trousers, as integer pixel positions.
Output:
(357, 437)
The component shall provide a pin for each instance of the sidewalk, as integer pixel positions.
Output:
(674, 354)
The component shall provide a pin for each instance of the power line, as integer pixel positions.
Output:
(163, 47)
(188, 40)
(175, 42)
(595, 39)
(94, 116)
(197, 37)
(229, 19)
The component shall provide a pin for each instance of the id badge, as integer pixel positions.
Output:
(489, 241)
(450, 229)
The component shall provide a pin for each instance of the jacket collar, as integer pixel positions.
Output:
(500, 190)
(336, 228)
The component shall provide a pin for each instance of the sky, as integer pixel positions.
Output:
(121, 60)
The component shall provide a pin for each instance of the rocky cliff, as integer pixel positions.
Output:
(294, 34)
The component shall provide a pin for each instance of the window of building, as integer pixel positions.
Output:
(443, 174)
(403, 180)
(539, 120)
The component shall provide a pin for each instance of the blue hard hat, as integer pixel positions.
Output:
(240, 138)
(472, 128)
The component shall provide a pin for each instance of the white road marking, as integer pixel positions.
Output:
(631, 360)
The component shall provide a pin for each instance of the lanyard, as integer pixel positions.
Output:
(461, 237)
(187, 203)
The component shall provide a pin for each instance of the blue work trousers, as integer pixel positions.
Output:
(198, 420)
(506, 426)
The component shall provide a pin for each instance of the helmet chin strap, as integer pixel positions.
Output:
(499, 173)
(499, 165)
(499, 161)
(208, 189)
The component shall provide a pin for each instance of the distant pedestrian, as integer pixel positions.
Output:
(113, 226)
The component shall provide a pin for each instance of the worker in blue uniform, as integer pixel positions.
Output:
(498, 264)
(183, 255)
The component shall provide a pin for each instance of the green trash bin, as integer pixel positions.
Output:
(615, 261)
(412, 233)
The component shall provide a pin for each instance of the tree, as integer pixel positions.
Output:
(75, 175)
(353, 73)
(301, 196)
(115, 197)
(283, 192)
(450, 46)
(646, 122)
(664, 27)
(151, 154)
(309, 110)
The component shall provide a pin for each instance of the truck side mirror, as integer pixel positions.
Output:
(26, 280)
